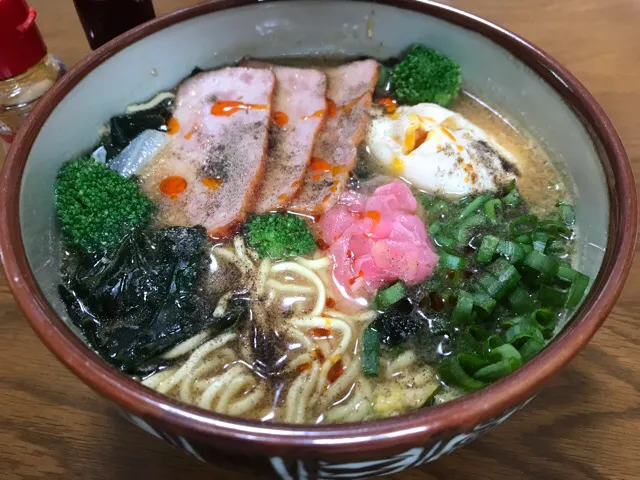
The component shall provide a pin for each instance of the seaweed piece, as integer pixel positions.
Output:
(124, 128)
(138, 300)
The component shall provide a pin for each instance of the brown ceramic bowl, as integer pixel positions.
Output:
(518, 79)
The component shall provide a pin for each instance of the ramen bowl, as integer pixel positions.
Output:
(517, 79)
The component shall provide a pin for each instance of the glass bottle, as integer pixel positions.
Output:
(104, 20)
(27, 71)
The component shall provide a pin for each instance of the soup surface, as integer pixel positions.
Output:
(317, 242)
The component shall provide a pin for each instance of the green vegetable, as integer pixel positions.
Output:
(452, 371)
(386, 297)
(490, 208)
(507, 360)
(487, 248)
(278, 235)
(451, 262)
(425, 75)
(370, 351)
(96, 206)
(462, 313)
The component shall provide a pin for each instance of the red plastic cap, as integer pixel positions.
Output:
(21, 45)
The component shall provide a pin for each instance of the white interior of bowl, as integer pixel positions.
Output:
(161, 60)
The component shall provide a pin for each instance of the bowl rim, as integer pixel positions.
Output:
(399, 433)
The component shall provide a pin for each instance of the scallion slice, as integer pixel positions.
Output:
(577, 290)
(525, 328)
(521, 301)
(484, 302)
(523, 225)
(370, 351)
(568, 214)
(512, 198)
(474, 206)
(490, 208)
(530, 349)
(487, 248)
(539, 240)
(509, 360)
(542, 263)
(513, 252)
(552, 296)
(463, 235)
(385, 297)
(506, 273)
(452, 372)
(462, 313)
(451, 262)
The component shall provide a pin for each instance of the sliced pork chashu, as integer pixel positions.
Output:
(349, 92)
(215, 162)
(299, 110)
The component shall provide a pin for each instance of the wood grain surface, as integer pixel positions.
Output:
(585, 425)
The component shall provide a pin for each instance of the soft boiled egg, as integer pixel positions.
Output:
(439, 151)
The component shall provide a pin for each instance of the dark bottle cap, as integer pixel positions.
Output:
(21, 45)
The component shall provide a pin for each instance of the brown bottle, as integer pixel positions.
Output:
(104, 20)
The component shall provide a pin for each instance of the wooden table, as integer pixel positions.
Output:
(586, 424)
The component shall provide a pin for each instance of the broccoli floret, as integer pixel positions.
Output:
(278, 235)
(425, 75)
(96, 206)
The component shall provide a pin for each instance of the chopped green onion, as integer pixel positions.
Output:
(490, 208)
(556, 228)
(539, 241)
(509, 360)
(390, 295)
(542, 263)
(506, 273)
(452, 373)
(444, 241)
(568, 214)
(556, 247)
(467, 224)
(566, 273)
(439, 208)
(512, 198)
(524, 224)
(474, 206)
(462, 313)
(544, 317)
(513, 252)
(370, 351)
(530, 348)
(484, 302)
(521, 301)
(451, 262)
(552, 296)
(525, 328)
(577, 290)
(524, 239)
(434, 228)
(487, 248)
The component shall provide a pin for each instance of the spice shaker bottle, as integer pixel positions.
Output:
(104, 20)
(27, 71)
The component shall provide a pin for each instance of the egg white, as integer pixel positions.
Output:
(439, 151)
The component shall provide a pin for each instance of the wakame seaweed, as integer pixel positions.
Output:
(124, 128)
(141, 298)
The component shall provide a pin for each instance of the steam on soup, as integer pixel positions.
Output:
(329, 242)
